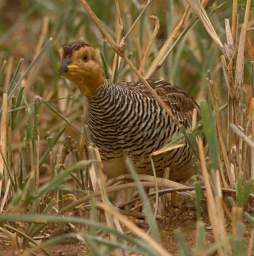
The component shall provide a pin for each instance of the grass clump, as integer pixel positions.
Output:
(52, 191)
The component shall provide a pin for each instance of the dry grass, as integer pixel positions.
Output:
(53, 191)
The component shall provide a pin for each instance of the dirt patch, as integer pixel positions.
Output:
(183, 218)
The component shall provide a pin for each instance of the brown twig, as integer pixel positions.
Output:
(8, 74)
(118, 33)
(199, 9)
(100, 25)
(224, 155)
(134, 24)
(149, 183)
(213, 205)
(7, 189)
(3, 139)
(44, 31)
(167, 46)
(150, 43)
(242, 135)
(101, 178)
(240, 54)
(167, 149)
(234, 19)
(250, 247)
(150, 89)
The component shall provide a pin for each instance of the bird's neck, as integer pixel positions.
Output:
(103, 90)
(89, 85)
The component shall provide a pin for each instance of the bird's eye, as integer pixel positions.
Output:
(85, 58)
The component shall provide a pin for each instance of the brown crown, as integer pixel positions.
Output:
(70, 47)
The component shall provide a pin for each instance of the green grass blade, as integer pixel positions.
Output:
(150, 218)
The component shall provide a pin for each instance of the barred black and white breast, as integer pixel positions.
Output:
(125, 120)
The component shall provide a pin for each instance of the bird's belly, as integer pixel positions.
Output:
(179, 163)
(138, 144)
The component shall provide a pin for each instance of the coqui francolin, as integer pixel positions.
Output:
(125, 120)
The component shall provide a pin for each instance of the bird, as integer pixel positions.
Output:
(125, 120)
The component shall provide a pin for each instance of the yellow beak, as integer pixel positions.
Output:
(73, 68)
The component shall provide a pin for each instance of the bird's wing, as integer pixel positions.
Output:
(181, 104)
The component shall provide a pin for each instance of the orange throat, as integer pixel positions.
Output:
(88, 85)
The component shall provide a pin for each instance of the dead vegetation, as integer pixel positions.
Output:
(53, 192)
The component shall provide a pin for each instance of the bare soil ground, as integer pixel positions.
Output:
(183, 218)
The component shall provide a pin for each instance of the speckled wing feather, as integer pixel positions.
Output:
(181, 104)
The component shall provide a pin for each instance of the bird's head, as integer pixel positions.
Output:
(81, 64)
